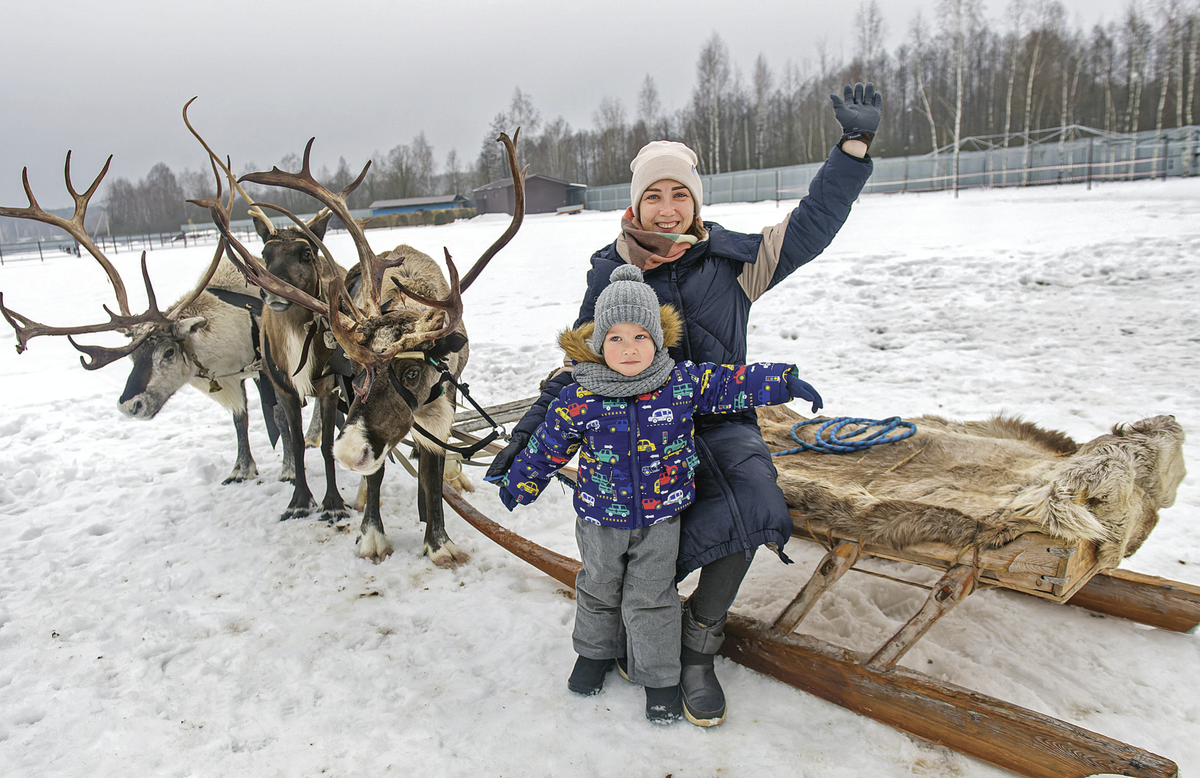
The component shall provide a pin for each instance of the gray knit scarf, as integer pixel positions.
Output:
(603, 380)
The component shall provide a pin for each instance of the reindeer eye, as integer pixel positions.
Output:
(170, 352)
(411, 374)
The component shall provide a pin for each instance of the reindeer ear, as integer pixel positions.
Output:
(450, 344)
(320, 223)
(263, 227)
(184, 327)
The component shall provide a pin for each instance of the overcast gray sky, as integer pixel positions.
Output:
(362, 75)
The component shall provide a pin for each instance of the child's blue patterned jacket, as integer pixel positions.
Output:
(637, 457)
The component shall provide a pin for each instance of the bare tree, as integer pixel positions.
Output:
(712, 80)
(1194, 53)
(611, 152)
(918, 33)
(763, 82)
(1136, 34)
(958, 18)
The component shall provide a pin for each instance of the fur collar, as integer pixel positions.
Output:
(575, 342)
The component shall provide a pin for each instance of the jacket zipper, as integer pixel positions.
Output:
(633, 464)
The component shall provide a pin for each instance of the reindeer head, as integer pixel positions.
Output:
(289, 254)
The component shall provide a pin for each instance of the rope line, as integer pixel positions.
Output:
(837, 435)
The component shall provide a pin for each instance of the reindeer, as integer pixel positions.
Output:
(295, 353)
(211, 345)
(403, 331)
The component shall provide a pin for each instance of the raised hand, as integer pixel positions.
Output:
(859, 111)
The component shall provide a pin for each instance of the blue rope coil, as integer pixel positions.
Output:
(836, 436)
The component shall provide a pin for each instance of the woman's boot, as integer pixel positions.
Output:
(703, 698)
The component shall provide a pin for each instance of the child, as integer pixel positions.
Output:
(629, 415)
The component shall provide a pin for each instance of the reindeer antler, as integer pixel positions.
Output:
(372, 267)
(123, 321)
(510, 146)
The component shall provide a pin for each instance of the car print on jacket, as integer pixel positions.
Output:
(643, 452)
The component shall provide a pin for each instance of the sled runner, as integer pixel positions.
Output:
(1025, 510)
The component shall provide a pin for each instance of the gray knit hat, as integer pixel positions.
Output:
(626, 299)
(664, 159)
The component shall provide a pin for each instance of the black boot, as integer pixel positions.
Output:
(587, 677)
(664, 705)
(703, 698)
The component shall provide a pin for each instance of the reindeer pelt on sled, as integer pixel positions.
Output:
(987, 482)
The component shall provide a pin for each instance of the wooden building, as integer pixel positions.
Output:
(412, 204)
(542, 195)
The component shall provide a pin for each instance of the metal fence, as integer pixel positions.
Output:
(38, 250)
(1078, 155)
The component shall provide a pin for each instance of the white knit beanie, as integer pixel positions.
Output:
(664, 159)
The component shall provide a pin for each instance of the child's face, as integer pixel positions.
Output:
(628, 348)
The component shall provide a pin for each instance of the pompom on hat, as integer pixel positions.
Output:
(626, 299)
(665, 159)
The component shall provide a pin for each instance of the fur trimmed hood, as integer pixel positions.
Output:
(575, 342)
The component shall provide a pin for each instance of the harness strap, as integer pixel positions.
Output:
(437, 391)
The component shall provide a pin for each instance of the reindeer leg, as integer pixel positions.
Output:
(438, 545)
(302, 502)
(244, 467)
(312, 436)
(333, 509)
(287, 470)
(373, 544)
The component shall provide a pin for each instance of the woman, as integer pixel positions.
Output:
(712, 276)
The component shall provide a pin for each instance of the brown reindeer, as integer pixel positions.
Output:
(403, 331)
(295, 353)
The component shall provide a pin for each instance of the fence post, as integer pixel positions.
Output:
(1165, 158)
(40, 256)
(1, 255)
(1091, 143)
(776, 188)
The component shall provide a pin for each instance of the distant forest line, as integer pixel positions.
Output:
(956, 74)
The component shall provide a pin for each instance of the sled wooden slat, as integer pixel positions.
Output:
(470, 419)
(1035, 564)
(1008, 736)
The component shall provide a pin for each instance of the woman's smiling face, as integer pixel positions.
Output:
(667, 206)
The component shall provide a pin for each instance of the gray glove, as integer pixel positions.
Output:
(858, 111)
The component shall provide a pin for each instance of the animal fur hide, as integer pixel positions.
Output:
(984, 483)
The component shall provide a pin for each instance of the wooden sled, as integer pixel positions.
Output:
(1017, 739)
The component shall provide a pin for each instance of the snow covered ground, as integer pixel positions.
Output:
(154, 622)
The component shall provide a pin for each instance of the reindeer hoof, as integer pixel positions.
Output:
(297, 512)
(334, 515)
(374, 545)
(233, 479)
(448, 556)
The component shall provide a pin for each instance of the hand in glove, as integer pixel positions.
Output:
(503, 461)
(859, 112)
(507, 498)
(802, 390)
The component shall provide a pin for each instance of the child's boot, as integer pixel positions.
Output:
(664, 705)
(703, 698)
(587, 677)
